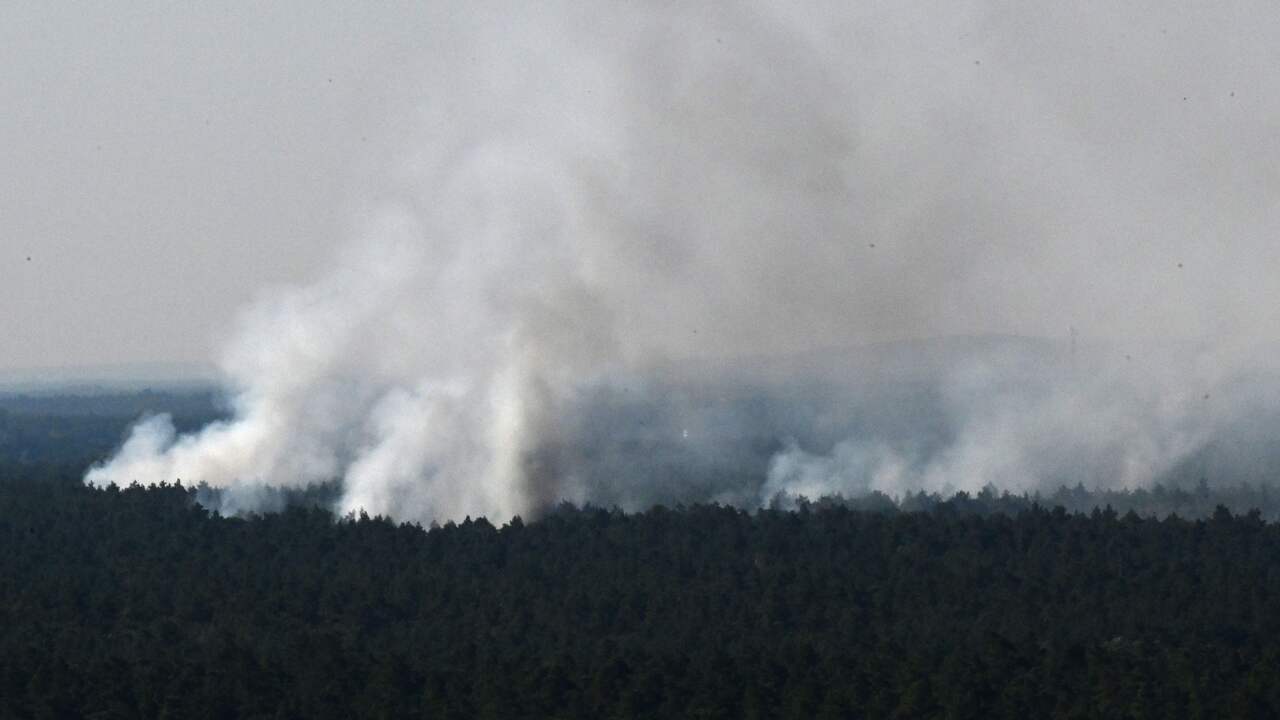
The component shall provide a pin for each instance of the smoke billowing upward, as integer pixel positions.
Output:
(645, 252)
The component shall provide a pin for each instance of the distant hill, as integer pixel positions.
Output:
(108, 379)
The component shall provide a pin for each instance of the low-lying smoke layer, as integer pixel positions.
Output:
(624, 240)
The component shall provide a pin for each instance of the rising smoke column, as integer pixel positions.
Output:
(593, 194)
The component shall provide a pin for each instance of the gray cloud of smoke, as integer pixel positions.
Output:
(625, 242)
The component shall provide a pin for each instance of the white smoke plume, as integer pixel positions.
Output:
(616, 253)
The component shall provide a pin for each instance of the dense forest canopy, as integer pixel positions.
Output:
(137, 602)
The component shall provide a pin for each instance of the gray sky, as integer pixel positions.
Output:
(165, 162)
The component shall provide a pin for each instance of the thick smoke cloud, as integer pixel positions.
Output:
(655, 252)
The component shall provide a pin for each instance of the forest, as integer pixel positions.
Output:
(138, 601)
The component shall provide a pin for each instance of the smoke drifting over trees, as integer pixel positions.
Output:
(647, 252)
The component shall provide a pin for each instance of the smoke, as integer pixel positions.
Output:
(1027, 418)
(651, 252)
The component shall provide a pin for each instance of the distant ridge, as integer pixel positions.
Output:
(98, 379)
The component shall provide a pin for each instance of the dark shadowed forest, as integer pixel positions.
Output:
(137, 602)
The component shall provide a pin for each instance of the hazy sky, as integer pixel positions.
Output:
(165, 162)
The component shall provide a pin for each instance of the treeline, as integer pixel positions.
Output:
(1158, 501)
(72, 431)
(138, 602)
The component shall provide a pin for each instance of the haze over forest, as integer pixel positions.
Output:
(477, 259)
